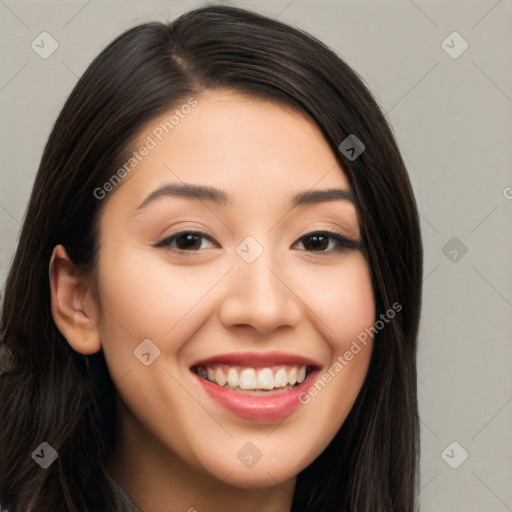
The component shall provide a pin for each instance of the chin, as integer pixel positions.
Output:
(253, 478)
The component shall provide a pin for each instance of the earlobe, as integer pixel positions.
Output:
(74, 310)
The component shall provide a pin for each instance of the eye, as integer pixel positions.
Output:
(320, 241)
(317, 241)
(185, 241)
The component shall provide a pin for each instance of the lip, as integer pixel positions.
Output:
(258, 408)
(258, 360)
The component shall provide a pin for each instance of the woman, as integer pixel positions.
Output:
(215, 299)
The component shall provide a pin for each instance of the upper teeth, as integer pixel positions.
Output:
(253, 378)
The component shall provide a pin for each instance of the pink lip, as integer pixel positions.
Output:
(257, 408)
(258, 360)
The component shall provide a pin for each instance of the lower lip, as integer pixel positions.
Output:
(257, 408)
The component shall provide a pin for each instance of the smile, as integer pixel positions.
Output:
(258, 380)
(256, 386)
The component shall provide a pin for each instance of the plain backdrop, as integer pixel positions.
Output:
(450, 107)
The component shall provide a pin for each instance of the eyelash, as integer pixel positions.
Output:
(343, 242)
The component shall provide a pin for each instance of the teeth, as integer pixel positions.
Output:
(265, 379)
(280, 379)
(237, 378)
(219, 378)
(248, 379)
(233, 378)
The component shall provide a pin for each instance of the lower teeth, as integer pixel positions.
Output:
(260, 392)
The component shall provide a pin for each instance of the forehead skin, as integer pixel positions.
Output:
(260, 156)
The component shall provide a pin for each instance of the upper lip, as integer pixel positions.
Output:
(258, 360)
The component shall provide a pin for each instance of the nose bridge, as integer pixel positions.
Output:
(261, 277)
(258, 294)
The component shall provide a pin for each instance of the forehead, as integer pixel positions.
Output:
(255, 149)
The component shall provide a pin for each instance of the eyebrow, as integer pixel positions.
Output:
(222, 198)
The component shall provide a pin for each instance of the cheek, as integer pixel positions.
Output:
(143, 296)
(342, 298)
(146, 292)
(343, 301)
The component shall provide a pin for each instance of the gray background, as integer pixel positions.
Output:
(453, 121)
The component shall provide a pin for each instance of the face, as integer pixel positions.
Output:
(220, 310)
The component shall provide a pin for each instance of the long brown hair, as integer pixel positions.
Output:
(56, 397)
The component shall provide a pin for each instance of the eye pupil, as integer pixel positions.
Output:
(318, 241)
(190, 240)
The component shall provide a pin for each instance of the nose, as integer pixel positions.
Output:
(260, 295)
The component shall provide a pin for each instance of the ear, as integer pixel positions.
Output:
(74, 309)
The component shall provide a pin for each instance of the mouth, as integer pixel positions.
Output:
(255, 386)
(267, 381)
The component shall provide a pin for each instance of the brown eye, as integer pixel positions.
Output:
(316, 242)
(320, 241)
(185, 241)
